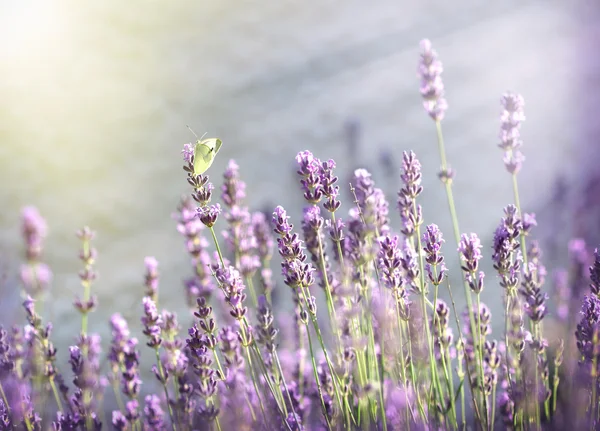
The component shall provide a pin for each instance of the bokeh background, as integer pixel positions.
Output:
(95, 97)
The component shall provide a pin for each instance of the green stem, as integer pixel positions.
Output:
(456, 230)
(316, 374)
(162, 378)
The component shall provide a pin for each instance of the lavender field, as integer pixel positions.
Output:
(97, 142)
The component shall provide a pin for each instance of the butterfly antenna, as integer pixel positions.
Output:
(203, 135)
(193, 133)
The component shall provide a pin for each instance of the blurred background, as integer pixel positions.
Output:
(95, 97)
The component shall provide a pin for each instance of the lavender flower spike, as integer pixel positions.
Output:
(432, 88)
(595, 274)
(470, 255)
(510, 136)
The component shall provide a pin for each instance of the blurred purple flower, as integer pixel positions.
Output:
(432, 88)
(510, 136)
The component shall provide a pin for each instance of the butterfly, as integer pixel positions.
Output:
(204, 154)
(205, 151)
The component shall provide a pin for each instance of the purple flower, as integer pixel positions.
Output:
(188, 152)
(588, 333)
(309, 169)
(153, 414)
(411, 188)
(208, 214)
(233, 287)
(233, 190)
(151, 322)
(280, 220)
(36, 278)
(151, 277)
(330, 191)
(510, 136)
(34, 230)
(267, 333)
(432, 88)
(595, 274)
(371, 216)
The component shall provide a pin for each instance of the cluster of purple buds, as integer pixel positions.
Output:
(153, 414)
(443, 336)
(36, 276)
(492, 362)
(411, 188)
(233, 190)
(373, 208)
(296, 271)
(595, 274)
(42, 334)
(174, 359)
(119, 340)
(506, 256)
(429, 72)
(510, 136)
(264, 247)
(208, 214)
(128, 420)
(328, 187)
(588, 334)
(390, 264)
(232, 353)
(432, 246)
(7, 363)
(240, 234)
(206, 325)
(309, 169)
(266, 332)
(85, 362)
(151, 321)
(531, 290)
(88, 275)
(312, 229)
(131, 381)
(151, 278)
(207, 383)
(189, 225)
(233, 288)
(470, 255)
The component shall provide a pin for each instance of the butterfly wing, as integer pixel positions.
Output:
(204, 154)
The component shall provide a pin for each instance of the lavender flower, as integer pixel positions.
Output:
(208, 214)
(87, 255)
(510, 136)
(295, 271)
(153, 414)
(411, 188)
(151, 278)
(233, 287)
(470, 254)
(432, 245)
(267, 333)
(151, 321)
(36, 276)
(233, 190)
(595, 274)
(309, 169)
(390, 264)
(588, 333)
(189, 225)
(432, 88)
(264, 249)
(329, 190)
